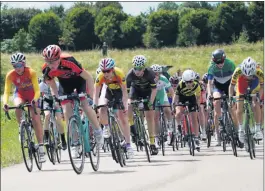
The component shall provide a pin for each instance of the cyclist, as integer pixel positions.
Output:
(248, 74)
(162, 85)
(141, 84)
(71, 76)
(47, 103)
(114, 78)
(202, 106)
(220, 73)
(189, 90)
(26, 90)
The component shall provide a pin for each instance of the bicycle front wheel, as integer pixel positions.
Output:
(94, 154)
(143, 137)
(76, 146)
(25, 141)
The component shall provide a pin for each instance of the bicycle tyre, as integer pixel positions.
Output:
(209, 135)
(72, 122)
(59, 149)
(36, 155)
(232, 134)
(162, 134)
(112, 148)
(52, 144)
(190, 137)
(24, 131)
(144, 135)
(93, 145)
(116, 141)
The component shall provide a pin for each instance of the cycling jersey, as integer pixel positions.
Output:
(115, 83)
(221, 75)
(68, 74)
(162, 85)
(26, 85)
(242, 82)
(144, 83)
(182, 89)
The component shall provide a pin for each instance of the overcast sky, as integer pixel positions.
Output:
(133, 8)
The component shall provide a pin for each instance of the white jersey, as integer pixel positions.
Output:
(45, 89)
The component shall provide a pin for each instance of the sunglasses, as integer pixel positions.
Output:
(18, 65)
(138, 69)
(189, 82)
(51, 61)
(106, 71)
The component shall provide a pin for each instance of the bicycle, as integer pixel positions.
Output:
(187, 128)
(54, 146)
(249, 121)
(141, 134)
(27, 136)
(163, 128)
(117, 150)
(175, 135)
(78, 135)
(227, 132)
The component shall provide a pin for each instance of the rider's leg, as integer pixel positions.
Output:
(217, 115)
(257, 116)
(17, 101)
(239, 113)
(201, 116)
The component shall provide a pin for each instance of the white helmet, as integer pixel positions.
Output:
(139, 61)
(98, 71)
(248, 66)
(17, 58)
(156, 68)
(188, 75)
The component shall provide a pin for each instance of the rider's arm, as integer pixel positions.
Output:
(198, 93)
(210, 87)
(89, 80)
(54, 89)
(34, 81)
(96, 94)
(231, 89)
(7, 88)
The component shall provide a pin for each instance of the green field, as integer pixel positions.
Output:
(196, 58)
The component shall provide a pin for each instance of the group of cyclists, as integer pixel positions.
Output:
(141, 82)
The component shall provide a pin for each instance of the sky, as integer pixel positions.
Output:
(133, 8)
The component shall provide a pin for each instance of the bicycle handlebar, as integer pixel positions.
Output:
(21, 106)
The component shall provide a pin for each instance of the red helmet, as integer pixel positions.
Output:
(51, 53)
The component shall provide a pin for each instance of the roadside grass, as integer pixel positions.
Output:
(196, 57)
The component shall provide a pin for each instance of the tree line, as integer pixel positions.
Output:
(86, 25)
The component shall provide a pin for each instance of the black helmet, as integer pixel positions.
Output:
(205, 78)
(218, 56)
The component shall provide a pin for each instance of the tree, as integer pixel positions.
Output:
(14, 19)
(163, 25)
(167, 5)
(255, 25)
(58, 10)
(44, 29)
(79, 29)
(191, 4)
(102, 4)
(132, 29)
(221, 29)
(107, 26)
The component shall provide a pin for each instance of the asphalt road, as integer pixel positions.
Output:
(209, 170)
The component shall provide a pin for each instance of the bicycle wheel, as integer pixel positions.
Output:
(209, 134)
(75, 140)
(174, 136)
(116, 141)
(137, 134)
(112, 149)
(37, 157)
(59, 148)
(52, 144)
(190, 137)
(143, 136)
(94, 154)
(25, 141)
(162, 133)
(232, 134)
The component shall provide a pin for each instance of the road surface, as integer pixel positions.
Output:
(209, 170)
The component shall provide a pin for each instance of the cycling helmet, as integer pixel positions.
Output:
(17, 58)
(139, 61)
(188, 75)
(218, 56)
(157, 68)
(205, 78)
(51, 53)
(197, 76)
(106, 64)
(174, 79)
(248, 66)
(98, 71)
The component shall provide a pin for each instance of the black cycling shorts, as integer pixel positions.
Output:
(191, 99)
(137, 94)
(114, 95)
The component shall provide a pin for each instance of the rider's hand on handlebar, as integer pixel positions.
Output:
(5, 108)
